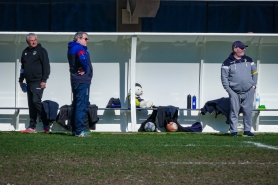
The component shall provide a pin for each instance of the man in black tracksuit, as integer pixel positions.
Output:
(35, 69)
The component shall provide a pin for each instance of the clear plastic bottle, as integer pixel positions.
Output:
(258, 100)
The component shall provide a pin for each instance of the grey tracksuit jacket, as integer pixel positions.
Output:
(238, 75)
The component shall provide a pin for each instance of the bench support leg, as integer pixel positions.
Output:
(16, 115)
(257, 120)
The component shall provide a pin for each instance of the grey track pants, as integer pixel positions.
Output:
(245, 103)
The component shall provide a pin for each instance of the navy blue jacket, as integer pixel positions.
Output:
(163, 113)
(50, 109)
(220, 106)
(79, 57)
(170, 113)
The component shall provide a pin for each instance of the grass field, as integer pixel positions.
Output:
(138, 158)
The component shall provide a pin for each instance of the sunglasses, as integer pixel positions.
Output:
(84, 38)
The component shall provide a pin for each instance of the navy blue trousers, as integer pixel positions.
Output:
(79, 104)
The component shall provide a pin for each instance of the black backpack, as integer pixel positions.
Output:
(90, 120)
(114, 103)
(63, 118)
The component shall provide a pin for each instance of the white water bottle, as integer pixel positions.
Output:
(257, 101)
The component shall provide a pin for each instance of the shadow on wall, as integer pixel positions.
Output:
(217, 124)
(6, 120)
(110, 117)
(268, 120)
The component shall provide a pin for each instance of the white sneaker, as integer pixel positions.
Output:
(83, 134)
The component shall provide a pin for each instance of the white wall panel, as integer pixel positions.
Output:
(212, 86)
(58, 85)
(168, 83)
(7, 84)
(105, 83)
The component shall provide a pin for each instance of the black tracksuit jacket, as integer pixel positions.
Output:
(35, 67)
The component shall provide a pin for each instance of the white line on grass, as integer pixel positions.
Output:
(262, 145)
(217, 163)
(197, 145)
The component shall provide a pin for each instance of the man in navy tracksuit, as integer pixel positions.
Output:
(239, 78)
(35, 69)
(81, 73)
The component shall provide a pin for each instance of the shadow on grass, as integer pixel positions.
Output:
(220, 134)
(61, 133)
(38, 133)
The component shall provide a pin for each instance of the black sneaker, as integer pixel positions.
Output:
(234, 134)
(248, 134)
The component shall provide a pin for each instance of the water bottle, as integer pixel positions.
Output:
(257, 101)
(189, 101)
(194, 102)
(24, 88)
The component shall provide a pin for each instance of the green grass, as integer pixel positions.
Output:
(137, 158)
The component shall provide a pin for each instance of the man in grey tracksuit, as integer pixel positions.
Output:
(239, 78)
